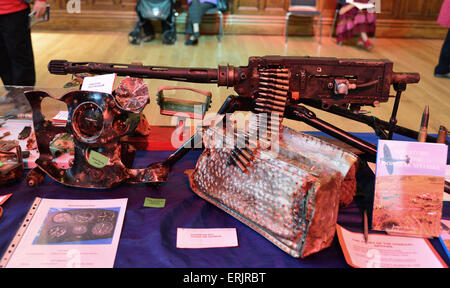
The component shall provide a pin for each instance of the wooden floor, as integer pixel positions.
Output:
(408, 55)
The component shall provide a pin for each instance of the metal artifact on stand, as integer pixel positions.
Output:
(96, 122)
(11, 162)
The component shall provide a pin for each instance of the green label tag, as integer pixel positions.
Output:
(1, 163)
(154, 203)
(97, 160)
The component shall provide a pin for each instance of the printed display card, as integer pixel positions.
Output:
(206, 238)
(154, 202)
(386, 251)
(100, 83)
(59, 233)
(409, 188)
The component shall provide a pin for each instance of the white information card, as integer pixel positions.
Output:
(100, 83)
(386, 251)
(206, 238)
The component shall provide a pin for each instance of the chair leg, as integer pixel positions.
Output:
(220, 26)
(320, 33)
(334, 22)
(286, 27)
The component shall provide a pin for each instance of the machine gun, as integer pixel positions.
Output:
(277, 84)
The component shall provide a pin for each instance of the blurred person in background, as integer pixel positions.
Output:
(355, 22)
(16, 51)
(442, 70)
(196, 10)
(148, 10)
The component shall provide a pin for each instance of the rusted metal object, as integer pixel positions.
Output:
(290, 197)
(11, 163)
(34, 177)
(194, 109)
(96, 122)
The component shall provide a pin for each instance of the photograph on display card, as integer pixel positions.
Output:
(83, 226)
(409, 187)
(63, 233)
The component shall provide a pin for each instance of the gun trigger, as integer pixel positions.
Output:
(362, 112)
(306, 112)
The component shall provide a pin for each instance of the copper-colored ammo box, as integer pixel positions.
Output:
(290, 197)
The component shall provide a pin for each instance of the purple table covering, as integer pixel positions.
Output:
(148, 238)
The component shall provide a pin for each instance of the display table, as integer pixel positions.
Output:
(148, 237)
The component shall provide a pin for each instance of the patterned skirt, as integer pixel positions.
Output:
(353, 22)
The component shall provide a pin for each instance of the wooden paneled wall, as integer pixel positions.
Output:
(398, 18)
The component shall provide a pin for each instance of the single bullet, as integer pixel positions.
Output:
(249, 152)
(240, 157)
(269, 90)
(274, 80)
(238, 164)
(272, 107)
(274, 74)
(366, 227)
(278, 86)
(268, 111)
(245, 154)
(276, 97)
(263, 99)
(276, 70)
(442, 134)
(424, 125)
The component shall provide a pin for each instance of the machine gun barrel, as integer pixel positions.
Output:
(197, 75)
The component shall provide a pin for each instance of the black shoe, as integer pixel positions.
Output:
(191, 41)
(148, 38)
(169, 41)
(438, 75)
(169, 37)
(134, 37)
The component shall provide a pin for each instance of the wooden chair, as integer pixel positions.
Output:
(215, 11)
(303, 8)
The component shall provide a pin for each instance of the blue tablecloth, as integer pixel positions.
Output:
(148, 237)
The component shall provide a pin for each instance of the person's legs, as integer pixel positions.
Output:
(364, 41)
(443, 67)
(196, 12)
(5, 63)
(17, 50)
(149, 33)
(168, 30)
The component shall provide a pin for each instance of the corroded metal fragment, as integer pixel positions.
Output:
(11, 163)
(290, 197)
(96, 125)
